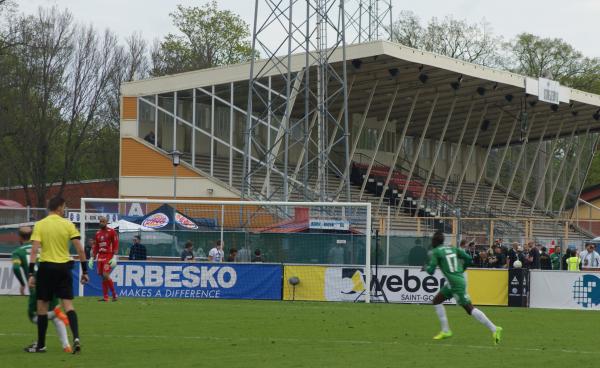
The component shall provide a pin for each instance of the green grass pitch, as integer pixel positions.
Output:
(232, 333)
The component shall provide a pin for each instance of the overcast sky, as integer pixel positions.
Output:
(575, 21)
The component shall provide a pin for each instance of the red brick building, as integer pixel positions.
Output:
(73, 192)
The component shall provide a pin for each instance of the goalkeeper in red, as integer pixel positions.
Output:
(105, 251)
(453, 262)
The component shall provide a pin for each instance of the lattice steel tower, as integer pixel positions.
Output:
(297, 134)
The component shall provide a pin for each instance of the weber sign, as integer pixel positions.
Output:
(395, 284)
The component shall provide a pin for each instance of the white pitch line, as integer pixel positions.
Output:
(319, 341)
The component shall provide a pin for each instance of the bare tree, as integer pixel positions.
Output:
(458, 39)
(62, 100)
(43, 52)
(94, 62)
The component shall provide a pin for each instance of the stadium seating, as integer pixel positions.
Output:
(433, 207)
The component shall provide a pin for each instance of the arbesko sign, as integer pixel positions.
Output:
(192, 280)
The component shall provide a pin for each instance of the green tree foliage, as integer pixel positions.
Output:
(526, 54)
(207, 37)
(555, 59)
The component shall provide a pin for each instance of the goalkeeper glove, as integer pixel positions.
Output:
(91, 264)
(113, 262)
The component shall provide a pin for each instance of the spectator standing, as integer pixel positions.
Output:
(244, 255)
(89, 246)
(482, 260)
(216, 254)
(567, 255)
(187, 255)
(555, 258)
(545, 260)
(573, 261)
(150, 138)
(232, 255)
(515, 253)
(533, 256)
(257, 256)
(590, 259)
(469, 248)
(137, 252)
(336, 254)
(498, 259)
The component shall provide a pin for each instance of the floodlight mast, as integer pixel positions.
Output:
(285, 97)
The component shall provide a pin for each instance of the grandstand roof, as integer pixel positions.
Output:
(590, 193)
(575, 111)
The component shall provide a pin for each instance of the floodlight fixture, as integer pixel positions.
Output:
(356, 63)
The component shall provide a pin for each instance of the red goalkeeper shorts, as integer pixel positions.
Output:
(104, 267)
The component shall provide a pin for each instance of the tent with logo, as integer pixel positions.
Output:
(156, 229)
(166, 218)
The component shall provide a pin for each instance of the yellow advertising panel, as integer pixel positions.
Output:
(488, 287)
(311, 285)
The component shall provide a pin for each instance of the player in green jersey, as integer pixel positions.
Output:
(452, 262)
(20, 260)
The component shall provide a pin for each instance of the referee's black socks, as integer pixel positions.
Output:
(42, 324)
(73, 323)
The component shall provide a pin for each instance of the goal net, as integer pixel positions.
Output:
(235, 249)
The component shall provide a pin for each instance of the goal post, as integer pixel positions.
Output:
(304, 233)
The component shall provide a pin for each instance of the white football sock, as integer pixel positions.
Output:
(61, 330)
(481, 317)
(441, 313)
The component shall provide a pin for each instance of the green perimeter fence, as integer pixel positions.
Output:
(309, 248)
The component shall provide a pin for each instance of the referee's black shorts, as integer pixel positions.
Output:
(54, 280)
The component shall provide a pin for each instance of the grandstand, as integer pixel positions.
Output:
(431, 137)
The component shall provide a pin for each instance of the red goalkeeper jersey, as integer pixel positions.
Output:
(107, 244)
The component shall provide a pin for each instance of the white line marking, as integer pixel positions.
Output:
(320, 341)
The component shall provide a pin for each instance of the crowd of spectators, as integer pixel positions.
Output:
(138, 252)
(533, 256)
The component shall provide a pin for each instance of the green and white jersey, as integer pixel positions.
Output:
(451, 260)
(20, 260)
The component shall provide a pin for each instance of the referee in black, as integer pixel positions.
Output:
(54, 278)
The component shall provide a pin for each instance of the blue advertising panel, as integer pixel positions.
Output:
(192, 280)
(76, 281)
